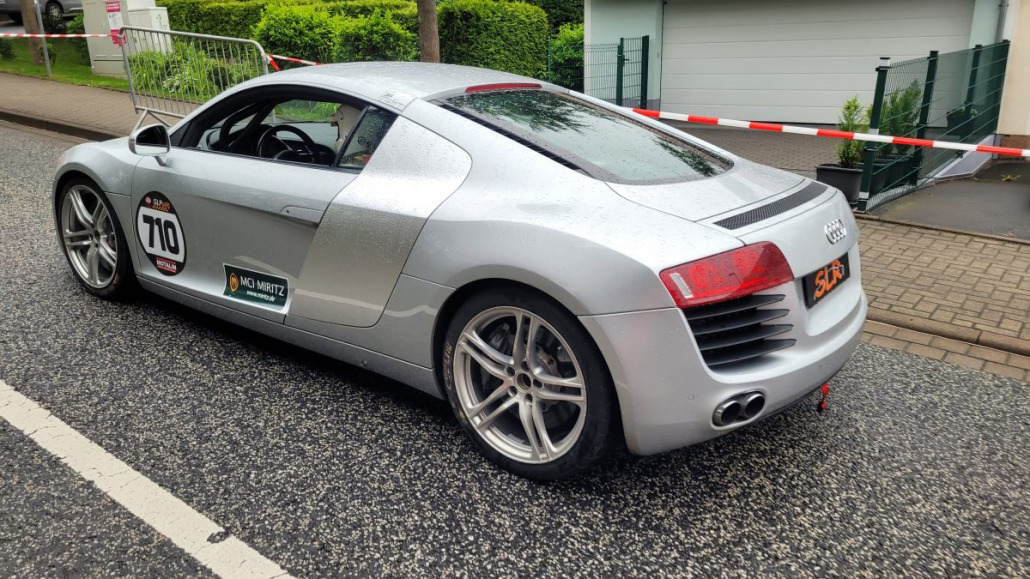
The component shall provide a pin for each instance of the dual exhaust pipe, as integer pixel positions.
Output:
(740, 408)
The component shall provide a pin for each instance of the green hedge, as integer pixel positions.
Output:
(306, 32)
(567, 57)
(560, 12)
(403, 12)
(220, 18)
(376, 37)
(510, 36)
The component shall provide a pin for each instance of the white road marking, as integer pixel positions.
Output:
(155, 506)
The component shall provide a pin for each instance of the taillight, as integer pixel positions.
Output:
(728, 275)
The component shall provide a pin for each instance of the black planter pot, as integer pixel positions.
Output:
(847, 180)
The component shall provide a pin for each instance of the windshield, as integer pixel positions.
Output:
(602, 143)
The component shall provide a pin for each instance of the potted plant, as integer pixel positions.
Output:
(900, 118)
(846, 174)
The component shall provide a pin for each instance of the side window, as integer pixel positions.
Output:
(362, 143)
(306, 130)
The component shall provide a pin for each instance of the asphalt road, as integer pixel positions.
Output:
(918, 468)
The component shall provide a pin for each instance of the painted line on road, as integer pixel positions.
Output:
(155, 506)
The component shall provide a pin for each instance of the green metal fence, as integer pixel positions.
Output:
(954, 96)
(615, 72)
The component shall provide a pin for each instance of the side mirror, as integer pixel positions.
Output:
(150, 141)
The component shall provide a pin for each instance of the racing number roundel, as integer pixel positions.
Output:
(160, 233)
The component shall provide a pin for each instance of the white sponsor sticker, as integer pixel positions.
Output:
(160, 233)
(396, 99)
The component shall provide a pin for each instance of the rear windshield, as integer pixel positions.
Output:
(602, 143)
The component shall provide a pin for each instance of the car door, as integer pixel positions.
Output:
(234, 226)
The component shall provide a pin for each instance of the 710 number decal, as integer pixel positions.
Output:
(160, 233)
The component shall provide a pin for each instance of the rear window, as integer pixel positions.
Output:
(602, 143)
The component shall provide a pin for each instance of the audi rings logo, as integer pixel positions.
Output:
(835, 231)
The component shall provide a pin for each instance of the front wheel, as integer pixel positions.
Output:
(528, 385)
(92, 240)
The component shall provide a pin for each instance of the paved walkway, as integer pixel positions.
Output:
(92, 113)
(961, 298)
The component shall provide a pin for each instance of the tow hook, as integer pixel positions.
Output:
(825, 399)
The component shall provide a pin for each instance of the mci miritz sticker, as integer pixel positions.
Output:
(160, 233)
(256, 287)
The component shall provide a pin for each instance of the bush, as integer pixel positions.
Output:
(403, 12)
(220, 18)
(510, 36)
(76, 26)
(6, 50)
(560, 12)
(306, 32)
(852, 119)
(376, 37)
(185, 71)
(566, 58)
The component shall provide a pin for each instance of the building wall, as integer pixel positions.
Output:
(607, 21)
(796, 60)
(1014, 125)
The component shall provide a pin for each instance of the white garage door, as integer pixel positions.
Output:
(795, 60)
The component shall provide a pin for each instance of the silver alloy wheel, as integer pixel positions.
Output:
(89, 236)
(54, 11)
(520, 385)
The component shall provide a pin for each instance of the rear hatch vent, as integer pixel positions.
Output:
(738, 331)
(757, 215)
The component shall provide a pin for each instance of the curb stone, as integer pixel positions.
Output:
(868, 217)
(63, 127)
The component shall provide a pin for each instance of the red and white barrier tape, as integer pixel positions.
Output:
(9, 35)
(1008, 151)
(271, 60)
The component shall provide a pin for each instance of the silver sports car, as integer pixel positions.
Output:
(570, 276)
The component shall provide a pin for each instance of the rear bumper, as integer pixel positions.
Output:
(668, 395)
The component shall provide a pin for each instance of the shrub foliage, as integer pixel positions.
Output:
(510, 36)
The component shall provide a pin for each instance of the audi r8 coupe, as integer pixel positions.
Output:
(569, 275)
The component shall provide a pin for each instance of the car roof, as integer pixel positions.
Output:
(415, 80)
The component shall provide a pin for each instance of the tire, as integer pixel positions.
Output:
(563, 384)
(92, 240)
(54, 10)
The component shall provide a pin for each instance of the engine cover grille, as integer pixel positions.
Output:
(738, 331)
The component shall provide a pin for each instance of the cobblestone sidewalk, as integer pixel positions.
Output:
(968, 288)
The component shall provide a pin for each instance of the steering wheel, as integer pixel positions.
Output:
(308, 146)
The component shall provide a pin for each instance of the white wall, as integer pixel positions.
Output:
(606, 21)
(795, 60)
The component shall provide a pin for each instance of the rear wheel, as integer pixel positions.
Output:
(528, 385)
(92, 240)
(54, 10)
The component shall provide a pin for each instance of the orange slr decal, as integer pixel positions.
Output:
(827, 279)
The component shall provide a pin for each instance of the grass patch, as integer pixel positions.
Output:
(68, 67)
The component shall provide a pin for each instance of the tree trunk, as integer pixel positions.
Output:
(28, 18)
(428, 36)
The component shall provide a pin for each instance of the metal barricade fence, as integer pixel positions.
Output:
(615, 72)
(173, 73)
(954, 96)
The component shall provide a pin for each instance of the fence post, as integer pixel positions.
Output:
(645, 56)
(971, 91)
(996, 83)
(874, 128)
(620, 64)
(924, 115)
